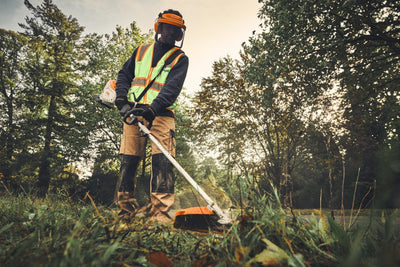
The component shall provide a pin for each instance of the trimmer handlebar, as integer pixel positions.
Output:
(131, 114)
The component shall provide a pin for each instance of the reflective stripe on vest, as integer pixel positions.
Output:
(144, 74)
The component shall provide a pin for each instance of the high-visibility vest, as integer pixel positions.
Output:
(145, 73)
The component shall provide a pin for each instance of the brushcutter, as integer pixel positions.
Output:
(191, 216)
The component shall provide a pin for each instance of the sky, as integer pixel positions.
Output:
(215, 28)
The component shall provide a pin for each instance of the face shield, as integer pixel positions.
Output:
(170, 34)
(170, 29)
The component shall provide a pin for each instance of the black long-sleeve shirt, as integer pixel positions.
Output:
(170, 90)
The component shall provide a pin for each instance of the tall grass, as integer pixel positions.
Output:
(57, 231)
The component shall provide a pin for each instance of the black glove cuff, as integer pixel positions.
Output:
(121, 101)
(149, 114)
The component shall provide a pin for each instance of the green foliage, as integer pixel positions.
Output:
(57, 231)
(253, 139)
(308, 50)
(311, 101)
(60, 232)
(54, 55)
(388, 182)
(101, 184)
(12, 50)
(52, 123)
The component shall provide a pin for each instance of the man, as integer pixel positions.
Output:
(163, 65)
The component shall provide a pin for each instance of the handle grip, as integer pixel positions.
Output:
(131, 114)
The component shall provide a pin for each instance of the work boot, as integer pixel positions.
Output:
(161, 203)
(127, 205)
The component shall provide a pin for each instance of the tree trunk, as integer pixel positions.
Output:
(45, 162)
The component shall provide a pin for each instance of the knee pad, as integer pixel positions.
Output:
(162, 177)
(129, 165)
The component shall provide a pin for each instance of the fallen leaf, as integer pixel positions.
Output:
(272, 255)
(159, 259)
(239, 253)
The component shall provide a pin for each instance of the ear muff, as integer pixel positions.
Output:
(170, 19)
(180, 36)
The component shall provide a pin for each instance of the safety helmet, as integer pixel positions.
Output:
(170, 21)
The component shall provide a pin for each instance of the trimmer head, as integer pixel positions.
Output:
(199, 219)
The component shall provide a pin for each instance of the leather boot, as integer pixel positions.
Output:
(161, 203)
(127, 204)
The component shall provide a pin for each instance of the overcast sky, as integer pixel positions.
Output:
(215, 28)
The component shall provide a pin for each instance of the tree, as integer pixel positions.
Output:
(52, 78)
(256, 139)
(371, 74)
(12, 51)
(312, 46)
(105, 54)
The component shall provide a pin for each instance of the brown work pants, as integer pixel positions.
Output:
(133, 145)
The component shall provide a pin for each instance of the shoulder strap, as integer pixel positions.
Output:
(167, 62)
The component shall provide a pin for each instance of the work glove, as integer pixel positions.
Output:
(144, 111)
(122, 105)
(125, 108)
(149, 114)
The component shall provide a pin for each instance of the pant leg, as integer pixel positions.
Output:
(162, 185)
(126, 191)
(132, 141)
(132, 150)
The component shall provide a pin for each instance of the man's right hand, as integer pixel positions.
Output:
(122, 105)
(125, 108)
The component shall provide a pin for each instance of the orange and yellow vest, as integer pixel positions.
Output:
(145, 73)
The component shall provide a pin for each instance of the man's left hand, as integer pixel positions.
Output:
(149, 114)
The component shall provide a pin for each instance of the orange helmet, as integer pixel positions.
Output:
(170, 18)
(173, 20)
